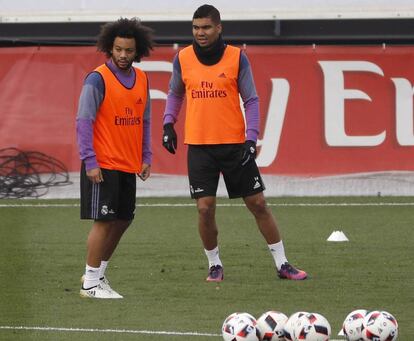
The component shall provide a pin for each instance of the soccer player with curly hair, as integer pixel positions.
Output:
(114, 139)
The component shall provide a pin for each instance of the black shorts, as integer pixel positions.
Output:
(206, 162)
(112, 199)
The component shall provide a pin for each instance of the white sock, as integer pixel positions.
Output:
(278, 252)
(91, 277)
(213, 257)
(102, 268)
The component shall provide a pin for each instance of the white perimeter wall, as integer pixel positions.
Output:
(182, 10)
(363, 184)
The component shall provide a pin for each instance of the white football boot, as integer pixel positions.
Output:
(98, 292)
(104, 284)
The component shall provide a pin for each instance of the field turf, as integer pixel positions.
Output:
(160, 268)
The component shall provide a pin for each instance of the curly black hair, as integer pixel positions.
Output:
(126, 28)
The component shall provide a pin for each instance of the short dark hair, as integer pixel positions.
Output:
(208, 11)
(126, 28)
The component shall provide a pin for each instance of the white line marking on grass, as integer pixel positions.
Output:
(343, 204)
(39, 205)
(327, 204)
(120, 331)
(288, 204)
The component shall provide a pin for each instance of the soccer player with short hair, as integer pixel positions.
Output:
(211, 75)
(114, 138)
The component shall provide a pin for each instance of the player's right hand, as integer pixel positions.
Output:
(169, 138)
(95, 175)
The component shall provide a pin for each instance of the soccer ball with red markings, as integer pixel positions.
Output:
(353, 325)
(240, 327)
(271, 326)
(290, 325)
(312, 327)
(380, 326)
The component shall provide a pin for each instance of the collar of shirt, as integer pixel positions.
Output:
(212, 54)
(126, 79)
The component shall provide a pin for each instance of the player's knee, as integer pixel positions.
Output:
(258, 206)
(206, 211)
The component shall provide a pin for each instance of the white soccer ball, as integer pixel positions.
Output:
(250, 317)
(271, 326)
(290, 324)
(380, 326)
(353, 325)
(312, 327)
(240, 327)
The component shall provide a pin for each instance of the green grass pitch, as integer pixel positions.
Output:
(160, 268)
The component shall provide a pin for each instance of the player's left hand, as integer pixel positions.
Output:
(145, 172)
(248, 152)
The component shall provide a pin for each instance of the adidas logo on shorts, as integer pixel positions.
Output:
(257, 184)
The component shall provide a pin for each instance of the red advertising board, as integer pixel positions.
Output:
(325, 110)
